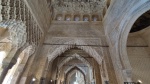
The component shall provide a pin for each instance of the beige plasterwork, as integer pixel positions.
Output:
(55, 51)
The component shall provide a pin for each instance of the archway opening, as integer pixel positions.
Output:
(71, 62)
(76, 76)
(138, 45)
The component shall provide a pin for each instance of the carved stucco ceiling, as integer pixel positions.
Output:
(79, 6)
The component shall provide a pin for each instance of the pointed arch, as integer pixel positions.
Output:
(58, 50)
(74, 68)
(73, 57)
(72, 73)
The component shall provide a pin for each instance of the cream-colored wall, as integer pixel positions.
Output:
(140, 62)
(139, 57)
(75, 29)
(145, 33)
(92, 32)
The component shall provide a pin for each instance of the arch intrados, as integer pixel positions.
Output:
(19, 51)
(70, 68)
(127, 27)
(73, 57)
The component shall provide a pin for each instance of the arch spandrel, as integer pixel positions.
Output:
(59, 49)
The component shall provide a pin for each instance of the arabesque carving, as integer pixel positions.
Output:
(73, 57)
(80, 6)
(57, 50)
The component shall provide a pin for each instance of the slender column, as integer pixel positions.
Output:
(90, 18)
(3, 48)
(81, 17)
(104, 73)
(48, 77)
(6, 67)
(63, 17)
(72, 17)
(40, 70)
(4, 72)
(55, 16)
(110, 68)
(19, 70)
(15, 76)
(8, 62)
(46, 71)
(24, 75)
(9, 57)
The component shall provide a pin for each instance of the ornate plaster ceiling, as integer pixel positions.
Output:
(79, 6)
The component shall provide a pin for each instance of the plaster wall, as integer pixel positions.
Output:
(60, 32)
(75, 29)
(140, 60)
(139, 57)
(146, 35)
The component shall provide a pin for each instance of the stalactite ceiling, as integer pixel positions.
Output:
(79, 6)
